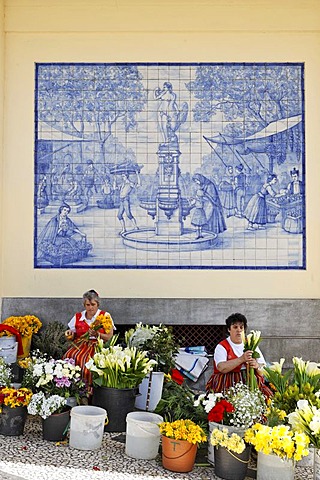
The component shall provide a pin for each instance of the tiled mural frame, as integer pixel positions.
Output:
(170, 166)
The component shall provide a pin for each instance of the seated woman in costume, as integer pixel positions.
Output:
(84, 329)
(230, 361)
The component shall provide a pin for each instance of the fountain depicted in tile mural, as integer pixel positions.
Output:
(170, 166)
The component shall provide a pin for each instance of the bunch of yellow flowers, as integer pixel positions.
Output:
(183, 430)
(12, 397)
(26, 325)
(221, 438)
(279, 440)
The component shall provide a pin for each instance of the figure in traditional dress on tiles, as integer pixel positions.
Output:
(256, 209)
(199, 218)
(65, 180)
(89, 181)
(209, 202)
(226, 188)
(126, 188)
(56, 239)
(239, 190)
(169, 116)
(42, 196)
(295, 187)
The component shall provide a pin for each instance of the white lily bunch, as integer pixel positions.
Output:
(119, 367)
(306, 419)
(306, 372)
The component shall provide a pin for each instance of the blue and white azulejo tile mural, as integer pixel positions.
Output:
(156, 165)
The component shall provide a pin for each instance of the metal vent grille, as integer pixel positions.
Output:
(191, 335)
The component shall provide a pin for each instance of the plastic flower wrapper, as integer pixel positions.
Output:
(306, 419)
(46, 406)
(279, 440)
(5, 374)
(251, 342)
(118, 367)
(238, 407)
(222, 438)
(183, 430)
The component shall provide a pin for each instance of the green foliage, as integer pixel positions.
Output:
(51, 340)
(177, 402)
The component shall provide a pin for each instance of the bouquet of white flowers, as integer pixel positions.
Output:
(238, 407)
(53, 377)
(46, 406)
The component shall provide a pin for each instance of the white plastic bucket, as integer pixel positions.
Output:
(9, 352)
(86, 427)
(143, 435)
(7, 341)
(150, 390)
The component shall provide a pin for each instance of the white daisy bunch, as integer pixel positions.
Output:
(46, 406)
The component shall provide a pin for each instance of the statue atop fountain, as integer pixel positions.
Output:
(168, 201)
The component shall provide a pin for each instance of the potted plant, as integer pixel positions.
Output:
(117, 372)
(159, 344)
(237, 409)
(51, 340)
(13, 410)
(55, 415)
(180, 441)
(278, 448)
(26, 326)
(231, 454)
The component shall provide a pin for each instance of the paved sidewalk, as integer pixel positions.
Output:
(28, 457)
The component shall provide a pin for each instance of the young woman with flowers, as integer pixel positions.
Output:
(231, 359)
(84, 329)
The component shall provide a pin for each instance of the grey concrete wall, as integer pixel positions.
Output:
(290, 327)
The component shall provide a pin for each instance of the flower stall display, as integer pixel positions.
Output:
(231, 454)
(117, 372)
(278, 448)
(26, 325)
(180, 441)
(13, 410)
(160, 345)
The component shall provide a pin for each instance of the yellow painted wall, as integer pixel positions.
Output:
(145, 31)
